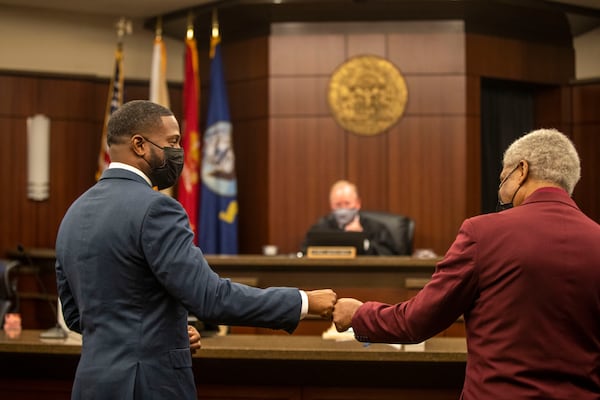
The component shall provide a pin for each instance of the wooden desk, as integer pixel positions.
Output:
(261, 367)
(389, 279)
(377, 278)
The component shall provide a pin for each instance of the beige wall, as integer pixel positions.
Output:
(78, 44)
(58, 42)
(587, 55)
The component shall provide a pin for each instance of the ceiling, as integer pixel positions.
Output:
(583, 15)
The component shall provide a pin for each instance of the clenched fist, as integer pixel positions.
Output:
(194, 338)
(343, 313)
(321, 302)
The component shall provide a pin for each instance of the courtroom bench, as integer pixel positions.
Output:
(388, 279)
(261, 367)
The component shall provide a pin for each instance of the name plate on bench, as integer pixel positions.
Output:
(322, 252)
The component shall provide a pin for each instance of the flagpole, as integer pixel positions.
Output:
(215, 36)
(158, 28)
(115, 92)
(219, 207)
(188, 188)
(123, 28)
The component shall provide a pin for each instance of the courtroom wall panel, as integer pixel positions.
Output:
(428, 155)
(429, 47)
(586, 136)
(305, 156)
(301, 64)
(75, 106)
(252, 159)
(519, 60)
(304, 54)
(554, 108)
(71, 106)
(307, 150)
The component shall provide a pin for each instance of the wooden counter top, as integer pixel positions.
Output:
(287, 260)
(294, 261)
(257, 367)
(268, 347)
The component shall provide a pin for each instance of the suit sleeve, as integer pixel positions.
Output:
(181, 268)
(69, 308)
(449, 293)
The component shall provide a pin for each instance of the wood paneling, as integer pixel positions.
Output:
(18, 96)
(252, 160)
(436, 95)
(430, 153)
(289, 149)
(368, 166)
(366, 44)
(306, 155)
(505, 58)
(251, 59)
(298, 96)
(586, 103)
(300, 55)
(586, 136)
(75, 107)
(429, 48)
(389, 169)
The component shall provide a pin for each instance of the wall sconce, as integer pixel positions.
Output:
(38, 157)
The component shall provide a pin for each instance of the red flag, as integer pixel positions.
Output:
(188, 194)
(115, 100)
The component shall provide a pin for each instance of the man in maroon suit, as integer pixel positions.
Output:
(526, 279)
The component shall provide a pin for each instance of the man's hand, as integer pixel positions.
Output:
(321, 302)
(194, 339)
(343, 312)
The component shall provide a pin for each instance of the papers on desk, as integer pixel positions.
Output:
(332, 334)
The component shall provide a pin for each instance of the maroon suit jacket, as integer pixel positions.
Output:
(528, 283)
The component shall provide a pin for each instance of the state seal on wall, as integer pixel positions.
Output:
(367, 95)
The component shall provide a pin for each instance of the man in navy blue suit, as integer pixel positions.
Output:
(128, 272)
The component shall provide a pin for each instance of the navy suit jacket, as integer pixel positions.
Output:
(528, 283)
(127, 274)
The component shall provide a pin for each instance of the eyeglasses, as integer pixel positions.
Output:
(508, 176)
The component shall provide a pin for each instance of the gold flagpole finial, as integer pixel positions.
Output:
(159, 26)
(215, 23)
(215, 37)
(123, 28)
(190, 26)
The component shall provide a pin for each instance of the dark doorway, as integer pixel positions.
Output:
(507, 112)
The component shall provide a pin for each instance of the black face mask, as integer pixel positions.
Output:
(165, 175)
(505, 206)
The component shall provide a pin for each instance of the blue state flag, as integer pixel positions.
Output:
(218, 220)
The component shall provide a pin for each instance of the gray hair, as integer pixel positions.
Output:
(137, 116)
(551, 157)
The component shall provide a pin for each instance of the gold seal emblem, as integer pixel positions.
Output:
(367, 95)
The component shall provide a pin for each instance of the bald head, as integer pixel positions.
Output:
(343, 194)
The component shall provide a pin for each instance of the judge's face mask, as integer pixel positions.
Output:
(344, 216)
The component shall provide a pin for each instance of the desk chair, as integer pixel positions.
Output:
(8, 288)
(401, 227)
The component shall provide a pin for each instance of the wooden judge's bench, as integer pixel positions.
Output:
(388, 279)
(253, 367)
(257, 363)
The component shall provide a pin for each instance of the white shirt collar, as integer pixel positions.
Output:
(130, 168)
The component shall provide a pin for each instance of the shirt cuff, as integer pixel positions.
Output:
(304, 309)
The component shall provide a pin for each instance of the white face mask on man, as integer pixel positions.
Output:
(344, 216)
